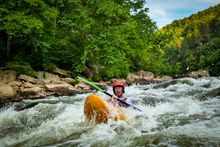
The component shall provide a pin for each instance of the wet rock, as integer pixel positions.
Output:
(165, 84)
(152, 101)
(27, 79)
(211, 93)
(198, 74)
(6, 92)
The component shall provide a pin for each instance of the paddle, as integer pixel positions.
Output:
(103, 91)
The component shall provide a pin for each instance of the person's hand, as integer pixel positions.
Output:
(113, 98)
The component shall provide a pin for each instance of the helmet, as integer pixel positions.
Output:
(118, 83)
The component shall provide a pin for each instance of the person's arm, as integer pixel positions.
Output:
(128, 101)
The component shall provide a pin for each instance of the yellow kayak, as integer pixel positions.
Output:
(99, 111)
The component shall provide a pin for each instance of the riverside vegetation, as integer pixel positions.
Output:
(104, 39)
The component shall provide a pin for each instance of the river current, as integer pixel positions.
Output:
(181, 112)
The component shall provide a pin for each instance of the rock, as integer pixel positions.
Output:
(28, 79)
(211, 93)
(62, 89)
(82, 86)
(68, 80)
(7, 76)
(40, 75)
(198, 74)
(6, 92)
(28, 85)
(121, 80)
(58, 87)
(135, 79)
(59, 71)
(131, 78)
(30, 92)
(52, 81)
(166, 78)
(165, 84)
(145, 75)
(48, 75)
(15, 85)
(102, 85)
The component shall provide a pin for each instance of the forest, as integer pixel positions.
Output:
(105, 39)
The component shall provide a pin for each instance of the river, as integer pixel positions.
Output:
(183, 112)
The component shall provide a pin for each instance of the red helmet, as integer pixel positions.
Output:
(118, 83)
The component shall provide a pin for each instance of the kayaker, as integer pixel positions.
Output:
(119, 89)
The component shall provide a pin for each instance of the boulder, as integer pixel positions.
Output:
(62, 89)
(6, 92)
(82, 86)
(40, 75)
(68, 80)
(53, 81)
(131, 78)
(145, 75)
(30, 92)
(121, 80)
(102, 85)
(48, 75)
(7, 76)
(28, 85)
(59, 71)
(58, 87)
(15, 85)
(27, 79)
(198, 74)
(166, 78)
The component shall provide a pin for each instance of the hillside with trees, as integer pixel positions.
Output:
(104, 39)
(192, 43)
(95, 38)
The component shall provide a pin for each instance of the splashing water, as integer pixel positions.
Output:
(183, 112)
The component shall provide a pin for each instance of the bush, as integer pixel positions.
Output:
(21, 67)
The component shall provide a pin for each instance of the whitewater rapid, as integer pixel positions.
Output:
(183, 112)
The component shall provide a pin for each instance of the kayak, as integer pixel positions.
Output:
(100, 111)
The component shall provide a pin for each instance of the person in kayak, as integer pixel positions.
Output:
(119, 89)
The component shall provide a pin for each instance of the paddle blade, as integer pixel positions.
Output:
(90, 83)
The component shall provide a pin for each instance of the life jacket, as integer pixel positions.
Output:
(125, 100)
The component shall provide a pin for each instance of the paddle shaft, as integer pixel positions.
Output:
(122, 101)
(103, 91)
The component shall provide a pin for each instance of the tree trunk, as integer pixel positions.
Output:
(8, 48)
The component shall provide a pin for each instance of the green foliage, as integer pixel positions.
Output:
(190, 44)
(210, 58)
(21, 67)
(99, 39)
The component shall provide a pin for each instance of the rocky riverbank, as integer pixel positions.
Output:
(15, 87)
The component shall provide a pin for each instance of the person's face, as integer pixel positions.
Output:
(118, 91)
